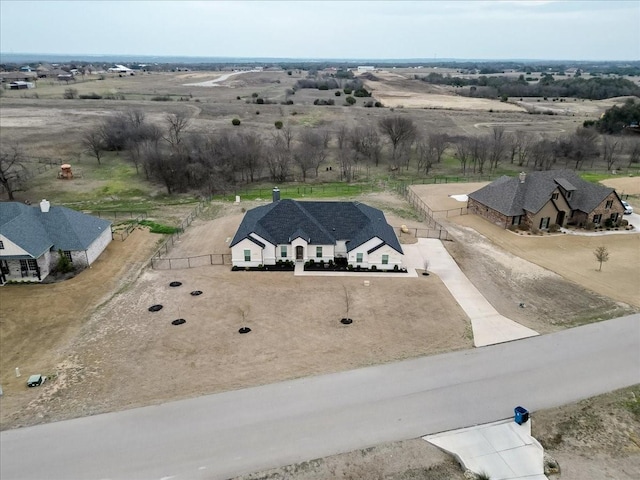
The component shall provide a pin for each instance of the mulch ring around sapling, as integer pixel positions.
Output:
(195, 293)
(346, 321)
(175, 284)
(178, 321)
(155, 308)
(244, 330)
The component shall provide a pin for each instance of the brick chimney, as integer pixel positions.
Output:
(44, 206)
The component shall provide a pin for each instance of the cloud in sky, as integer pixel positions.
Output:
(572, 30)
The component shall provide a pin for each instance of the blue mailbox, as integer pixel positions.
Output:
(521, 415)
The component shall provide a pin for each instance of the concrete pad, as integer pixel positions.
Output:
(504, 450)
(489, 327)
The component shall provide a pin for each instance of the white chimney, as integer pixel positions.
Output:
(522, 177)
(44, 206)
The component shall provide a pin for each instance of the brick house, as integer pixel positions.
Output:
(541, 199)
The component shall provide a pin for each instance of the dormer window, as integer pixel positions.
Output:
(569, 193)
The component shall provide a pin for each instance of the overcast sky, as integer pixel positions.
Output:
(526, 29)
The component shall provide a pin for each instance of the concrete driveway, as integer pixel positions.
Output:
(489, 327)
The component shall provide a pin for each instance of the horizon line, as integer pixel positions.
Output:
(79, 56)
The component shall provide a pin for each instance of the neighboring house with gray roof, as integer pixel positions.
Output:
(321, 231)
(541, 199)
(30, 238)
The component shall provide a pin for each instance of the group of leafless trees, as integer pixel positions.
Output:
(181, 158)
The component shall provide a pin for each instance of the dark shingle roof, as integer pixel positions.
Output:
(59, 228)
(511, 197)
(319, 223)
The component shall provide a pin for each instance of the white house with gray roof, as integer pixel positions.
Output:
(352, 232)
(30, 238)
(542, 199)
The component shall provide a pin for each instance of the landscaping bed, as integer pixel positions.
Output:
(331, 266)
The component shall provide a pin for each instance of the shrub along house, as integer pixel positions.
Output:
(539, 200)
(30, 238)
(348, 232)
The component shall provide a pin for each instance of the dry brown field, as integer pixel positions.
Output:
(48, 125)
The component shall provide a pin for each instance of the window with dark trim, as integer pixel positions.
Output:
(358, 257)
(318, 252)
(33, 264)
(385, 259)
(67, 253)
(1, 245)
(569, 195)
(516, 220)
(247, 255)
(609, 204)
(597, 218)
(283, 251)
(544, 222)
(555, 196)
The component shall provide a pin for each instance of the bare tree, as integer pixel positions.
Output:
(602, 255)
(401, 131)
(498, 147)
(633, 148)
(287, 135)
(366, 141)
(93, 143)
(426, 156)
(518, 146)
(313, 149)
(542, 154)
(164, 166)
(439, 142)
(479, 150)
(583, 146)
(278, 159)
(463, 152)
(610, 147)
(342, 137)
(11, 167)
(177, 123)
(115, 132)
(249, 152)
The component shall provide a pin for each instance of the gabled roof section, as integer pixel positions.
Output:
(319, 223)
(564, 183)
(59, 228)
(511, 197)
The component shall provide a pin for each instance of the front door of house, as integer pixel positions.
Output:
(560, 218)
(299, 253)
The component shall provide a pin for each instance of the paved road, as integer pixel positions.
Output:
(219, 436)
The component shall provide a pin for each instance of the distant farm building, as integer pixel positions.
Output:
(366, 68)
